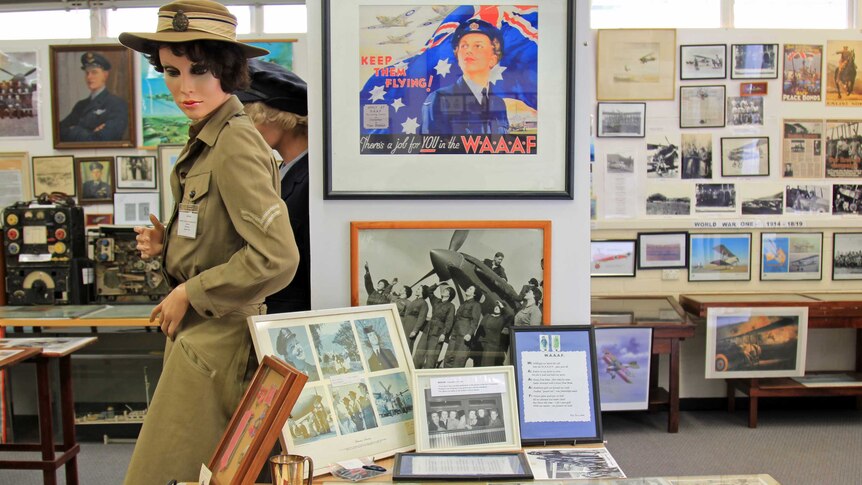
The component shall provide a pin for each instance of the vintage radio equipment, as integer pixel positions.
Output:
(40, 284)
(43, 232)
(121, 274)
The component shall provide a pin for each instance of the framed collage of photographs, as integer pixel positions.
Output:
(556, 375)
(754, 61)
(621, 120)
(402, 124)
(701, 106)
(626, 353)
(704, 61)
(635, 64)
(755, 342)
(847, 256)
(662, 250)
(613, 257)
(53, 174)
(745, 156)
(480, 405)
(95, 176)
(791, 256)
(719, 257)
(358, 399)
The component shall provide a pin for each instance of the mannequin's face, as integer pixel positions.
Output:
(195, 90)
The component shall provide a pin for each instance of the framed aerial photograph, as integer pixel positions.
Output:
(719, 257)
(358, 399)
(847, 256)
(701, 106)
(621, 120)
(613, 257)
(706, 61)
(403, 122)
(15, 173)
(745, 156)
(624, 355)
(95, 180)
(556, 375)
(19, 74)
(137, 172)
(791, 256)
(662, 250)
(461, 467)
(635, 64)
(756, 342)
(480, 405)
(106, 121)
(168, 155)
(754, 61)
(54, 174)
(253, 429)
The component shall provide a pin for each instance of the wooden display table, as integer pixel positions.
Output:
(825, 310)
(667, 320)
(69, 449)
(77, 316)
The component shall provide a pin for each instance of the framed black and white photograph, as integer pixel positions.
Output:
(807, 199)
(715, 197)
(846, 199)
(95, 179)
(744, 110)
(136, 172)
(754, 61)
(667, 199)
(761, 200)
(745, 156)
(134, 208)
(53, 174)
(613, 257)
(707, 61)
(791, 256)
(635, 64)
(701, 106)
(696, 155)
(847, 256)
(414, 467)
(662, 250)
(662, 155)
(621, 120)
(479, 405)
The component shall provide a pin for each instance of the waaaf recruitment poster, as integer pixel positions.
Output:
(802, 72)
(448, 79)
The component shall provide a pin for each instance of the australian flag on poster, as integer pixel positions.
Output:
(421, 95)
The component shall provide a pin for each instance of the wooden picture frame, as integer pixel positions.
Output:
(702, 106)
(702, 61)
(662, 250)
(482, 463)
(16, 162)
(95, 180)
(256, 423)
(635, 64)
(613, 257)
(792, 256)
(168, 155)
(745, 156)
(107, 121)
(462, 393)
(719, 257)
(53, 174)
(137, 173)
(620, 120)
(846, 264)
(754, 61)
(382, 140)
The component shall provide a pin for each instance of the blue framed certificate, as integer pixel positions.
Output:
(557, 383)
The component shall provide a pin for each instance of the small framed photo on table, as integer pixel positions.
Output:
(480, 409)
(136, 173)
(746, 156)
(662, 250)
(613, 257)
(621, 120)
(708, 61)
(461, 466)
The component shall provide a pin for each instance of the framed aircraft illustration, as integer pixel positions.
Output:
(624, 367)
(613, 257)
(719, 257)
(791, 256)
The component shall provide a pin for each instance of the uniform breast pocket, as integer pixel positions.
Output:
(194, 203)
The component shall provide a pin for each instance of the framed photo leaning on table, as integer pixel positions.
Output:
(461, 466)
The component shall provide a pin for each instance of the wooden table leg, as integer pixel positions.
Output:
(46, 428)
(731, 396)
(859, 362)
(673, 388)
(68, 417)
(752, 403)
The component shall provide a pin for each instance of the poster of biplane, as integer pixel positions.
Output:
(842, 77)
(459, 285)
(624, 367)
(416, 92)
(743, 342)
(719, 257)
(791, 256)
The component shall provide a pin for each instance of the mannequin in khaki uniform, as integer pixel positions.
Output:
(239, 249)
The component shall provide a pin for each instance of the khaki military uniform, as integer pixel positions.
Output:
(243, 250)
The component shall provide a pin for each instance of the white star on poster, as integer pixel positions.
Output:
(397, 104)
(401, 65)
(496, 74)
(377, 94)
(443, 67)
(410, 126)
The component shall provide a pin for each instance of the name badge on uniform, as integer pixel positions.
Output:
(187, 221)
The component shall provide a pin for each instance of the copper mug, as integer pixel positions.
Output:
(287, 469)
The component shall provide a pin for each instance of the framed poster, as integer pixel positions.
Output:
(19, 98)
(791, 256)
(701, 106)
(661, 250)
(400, 119)
(841, 147)
(253, 429)
(613, 257)
(168, 155)
(704, 61)
(802, 148)
(54, 174)
(621, 120)
(847, 256)
(745, 156)
(624, 367)
(79, 72)
(95, 179)
(802, 72)
(635, 64)
(480, 406)
(755, 342)
(136, 172)
(358, 399)
(556, 375)
(845, 80)
(461, 466)
(719, 257)
(15, 177)
(754, 61)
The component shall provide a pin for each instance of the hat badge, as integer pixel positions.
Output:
(474, 26)
(180, 22)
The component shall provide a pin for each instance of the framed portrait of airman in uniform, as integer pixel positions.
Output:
(92, 96)
(95, 179)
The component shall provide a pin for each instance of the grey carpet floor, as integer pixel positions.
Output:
(796, 447)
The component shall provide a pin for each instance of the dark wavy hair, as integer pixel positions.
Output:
(224, 60)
